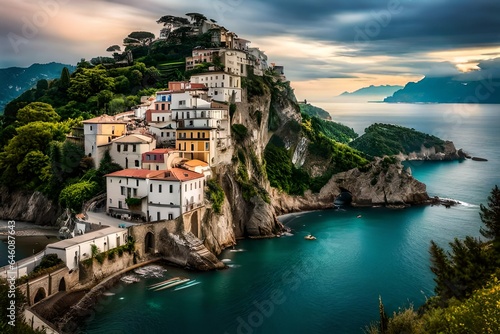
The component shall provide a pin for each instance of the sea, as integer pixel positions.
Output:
(331, 284)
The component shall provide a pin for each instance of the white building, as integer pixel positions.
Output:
(79, 248)
(157, 195)
(175, 192)
(198, 166)
(99, 132)
(222, 86)
(127, 150)
(235, 62)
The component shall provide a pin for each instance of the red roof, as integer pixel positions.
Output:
(136, 173)
(178, 174)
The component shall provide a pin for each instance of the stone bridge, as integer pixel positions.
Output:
(147, 236)
(47, 285)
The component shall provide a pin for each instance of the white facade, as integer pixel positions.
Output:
(160, 159)
(164, 194)
(127, 150)
(235, 62)
(164, 133)
(221, 85)
(77, 249)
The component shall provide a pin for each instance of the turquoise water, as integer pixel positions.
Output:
(332, 284)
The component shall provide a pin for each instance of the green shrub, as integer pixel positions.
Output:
(216, 195)
(239, 131)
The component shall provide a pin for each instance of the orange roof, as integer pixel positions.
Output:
(161, 150)
(196, 163)
(103, 119)
(177, 174)
(136, 173)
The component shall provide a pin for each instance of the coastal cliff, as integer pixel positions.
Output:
(382, 183)
(28, 206)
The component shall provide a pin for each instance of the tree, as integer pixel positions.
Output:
(88, 82)
(490, 216)
(64, 79)
(197, 18)
(74, 195)
(172, 21)
(113, 48)
(32, 166)
(37, 111)
(143, 38)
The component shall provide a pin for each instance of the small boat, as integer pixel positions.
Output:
(310, 237)
(172, 284)
(359, 216)
(170, 280)
(187, 285)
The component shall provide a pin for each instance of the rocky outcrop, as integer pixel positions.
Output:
(380, 183)
(444, 153)
(28, 206)
(187, 251)
(217, 229)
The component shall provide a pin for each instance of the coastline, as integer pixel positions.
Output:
(25, 229)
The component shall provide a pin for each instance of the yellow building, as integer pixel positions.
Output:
(195, 143)
(99, 132)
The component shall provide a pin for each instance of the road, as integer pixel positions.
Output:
(104, 219)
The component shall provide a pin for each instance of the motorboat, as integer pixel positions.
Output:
(310, 237)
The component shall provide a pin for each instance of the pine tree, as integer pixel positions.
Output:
(490, 216)
(384, 320)
(441, 267)
(64, 80)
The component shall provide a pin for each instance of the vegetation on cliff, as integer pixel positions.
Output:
(313, 111)
(467, 285)
(387, 139)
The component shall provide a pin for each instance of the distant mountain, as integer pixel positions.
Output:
(481, 86)
(16, 80)
(314, 111)
(371, 93)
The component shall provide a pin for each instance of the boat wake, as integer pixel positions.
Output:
(462, 203)
(130, 279)
(226, 260)
(153, 271)
(237, 250)
(234, 265)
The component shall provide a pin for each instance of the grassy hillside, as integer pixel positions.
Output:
(386, 139)
(314, 111)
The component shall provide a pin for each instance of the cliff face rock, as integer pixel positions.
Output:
(448, 152)
(250, 218)
(218, 230)
(28, 206)
(382, 184)
(187, 251)
(378, 184)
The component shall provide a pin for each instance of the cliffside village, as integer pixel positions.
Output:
(168, 144)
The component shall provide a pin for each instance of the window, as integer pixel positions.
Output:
(135, 192)
(216, 93)
(190, 186)
(207, 146)
(191, 135)
(200, 183)
(164, 98)
(122, 191)
(151, 188)
(137, 182)
(137, 164)
(198, 135)
(157, 167)
(163, 106)
(203, 135)
(134, 149)
(159, 188)
(168, 134)
(185, 187)
(192, 147)
(170, 216)
(156, 106)
(125, 148)
(120, 205)
(191, 123)
(163, 119)
(157, 118)
(180, 148)
(113, 130)
(171, 188)
(110, 201)
(118, 147)
(162, 134)
(222, 84)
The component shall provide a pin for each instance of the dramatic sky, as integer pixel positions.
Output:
(326, 46)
